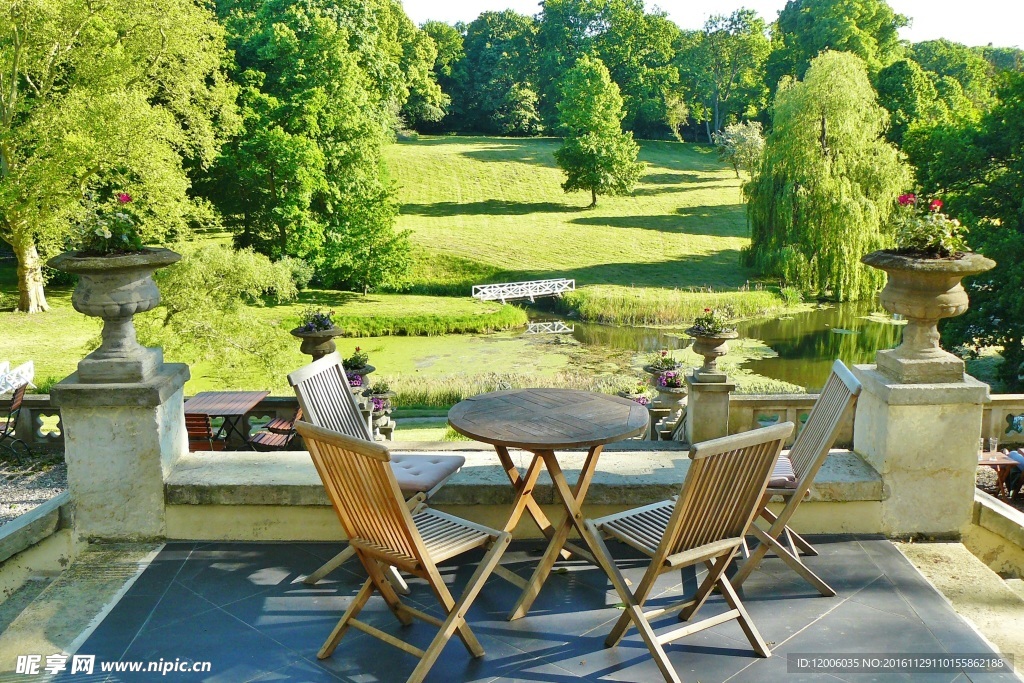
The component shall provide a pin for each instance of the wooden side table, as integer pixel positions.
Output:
(1002, 465)
(540, 421)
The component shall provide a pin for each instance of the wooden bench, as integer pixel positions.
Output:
(277, 433)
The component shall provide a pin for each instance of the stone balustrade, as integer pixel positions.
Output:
(1003, 416)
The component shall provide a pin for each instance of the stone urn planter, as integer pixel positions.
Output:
(924, 291)
(317, 343)
(115, 288)
(362, 371)
(711, 347)
(672, 399)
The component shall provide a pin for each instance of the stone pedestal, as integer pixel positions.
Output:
(923, 441)
(120, 440)
(707, 409)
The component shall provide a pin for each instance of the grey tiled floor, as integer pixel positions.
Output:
(242, 608)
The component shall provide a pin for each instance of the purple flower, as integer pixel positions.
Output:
(354, 380)
(642, 400)
(379, 404)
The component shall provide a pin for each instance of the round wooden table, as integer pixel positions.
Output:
(539, 421)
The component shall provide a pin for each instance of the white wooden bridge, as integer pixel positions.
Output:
(505, 291)
(549, 327)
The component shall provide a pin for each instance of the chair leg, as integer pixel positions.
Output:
(634, 606)
(756, 641)
(805, 547)
(715, 570)
(793, 561)
(329, 566)
(387, 591)
(456, 621)
(357, 604)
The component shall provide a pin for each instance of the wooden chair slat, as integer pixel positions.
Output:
(706, 523)
(365, 495)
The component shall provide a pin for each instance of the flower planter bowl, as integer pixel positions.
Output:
(362, 371)
(670, 398)
(924, 291)
(317, 343)
(115, 288)
(657, 372)
(711, 347)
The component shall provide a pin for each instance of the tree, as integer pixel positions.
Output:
(448, 42)
(635, 46)
(741, 145)
(825, 188)
(495, 90)
(959, 62)
(69, 69)
(910, 97)
(595, 154)
(322, 82)
(866, 28)
(981, 178)
(723, 65)
(206, 302)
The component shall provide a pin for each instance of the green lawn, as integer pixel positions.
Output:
(493, 209)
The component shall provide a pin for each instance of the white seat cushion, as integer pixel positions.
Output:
(421, 472)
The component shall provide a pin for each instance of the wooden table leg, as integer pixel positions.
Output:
(572, 500)
(524, 492)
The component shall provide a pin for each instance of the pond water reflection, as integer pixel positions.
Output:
(806, 343)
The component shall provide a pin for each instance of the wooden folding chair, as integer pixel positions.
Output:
(201, 436)
(705, 523)
(327, 401)
(806, 457)
(382, 531)
(9, 425)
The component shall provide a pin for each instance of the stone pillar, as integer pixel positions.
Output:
(707, 408)
(120, 440)
(923, 440)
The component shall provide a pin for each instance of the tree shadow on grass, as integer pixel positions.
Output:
(526, 151)
(326, 298)
(719, 269)
(490, 207)
(671, 178)
(697, 220)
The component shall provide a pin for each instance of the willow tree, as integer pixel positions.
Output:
(827, 183)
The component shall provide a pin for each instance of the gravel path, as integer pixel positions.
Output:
(23, 487)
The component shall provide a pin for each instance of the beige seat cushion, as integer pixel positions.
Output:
(783, 476)
(423, 471)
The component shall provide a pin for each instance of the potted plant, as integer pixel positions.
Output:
(711, 333)
(380, 409)
(637, 392)
(660, 362)
(379, 389)
(358, 364)
(317, 332)
(115, 281)
(924, 286)
(671, 386)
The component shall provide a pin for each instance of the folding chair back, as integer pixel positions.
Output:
(326, 399)
(706, 524)
(201, 436)
(822, 427)
(365, 494)
(9, 424)
(725, 483)
(362, 488)
(807, 456)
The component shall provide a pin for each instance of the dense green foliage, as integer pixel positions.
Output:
(68, 69)
(321, 84)
(866, 28)
(741, 145)
(723, 68)
(595, 154)
(979, 169)
(827, 182)
(505, 318)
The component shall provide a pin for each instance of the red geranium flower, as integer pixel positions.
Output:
(905, 199)
(124, 197)
(936, 204)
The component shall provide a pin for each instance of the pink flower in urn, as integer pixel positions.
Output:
(935, 205)
(905, 199)
(123, 198)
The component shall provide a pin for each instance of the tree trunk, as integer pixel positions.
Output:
(31, 298)
(593, 198)
(707, 127)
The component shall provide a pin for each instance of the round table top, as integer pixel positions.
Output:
(544, 419)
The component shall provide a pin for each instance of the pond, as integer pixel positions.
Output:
(804, 344)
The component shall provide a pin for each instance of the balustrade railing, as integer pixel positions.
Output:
(39, 422)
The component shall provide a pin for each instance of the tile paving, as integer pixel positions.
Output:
(243, 608)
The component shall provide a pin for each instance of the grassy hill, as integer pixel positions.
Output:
(489, 209)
